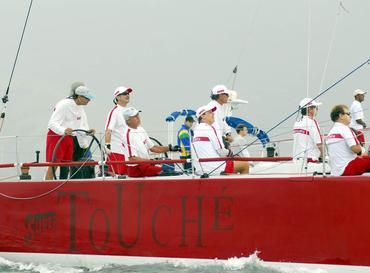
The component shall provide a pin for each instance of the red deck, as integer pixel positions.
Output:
(305, 219)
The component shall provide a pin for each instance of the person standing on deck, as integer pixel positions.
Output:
(307, 136)
(184, 137)
(207, 144)
(357, 115)
(138, 144)
(219, 97)
(69, 114)
(114, 129)
(344, 150)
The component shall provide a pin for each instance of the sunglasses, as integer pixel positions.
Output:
(347, 113)
(124, 93)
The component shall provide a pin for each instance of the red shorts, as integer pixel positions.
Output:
(65, 147)
(143, 170)
(357, 166)
(117, 168)
(229, 167)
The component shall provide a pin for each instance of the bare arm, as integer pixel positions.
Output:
(360, 121)
(108, 136)
(321, 148)
(136, 158)
(159, 149)
(358, 149)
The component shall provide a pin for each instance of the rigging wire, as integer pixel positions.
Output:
(5, 99)
(232, 76)
(340, 9)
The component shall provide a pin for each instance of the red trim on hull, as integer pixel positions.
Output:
(303, 219)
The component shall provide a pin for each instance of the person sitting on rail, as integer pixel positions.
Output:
(306, 132)
(138, 144)
(207, 144)
(68, 115)
(239, 144)
(344, 149)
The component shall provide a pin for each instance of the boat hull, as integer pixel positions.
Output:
(319, 220)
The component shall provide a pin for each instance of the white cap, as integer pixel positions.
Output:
(308, 102)
(129, 112)
(84, 92)
(120, 90)
(359, 92)
(205, 108)
(219, 89)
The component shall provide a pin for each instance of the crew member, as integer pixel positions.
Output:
(114, 129)
(239, 144)
(344, 149)
(219, 97)
(68, 115)
(138, 144)
(207, 144)
(357, 115)
(308, 142)
(184, 137)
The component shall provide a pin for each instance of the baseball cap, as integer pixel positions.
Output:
(121, 89)
(129, 112)
(75, 85)
(219, 89)
(308, 102)
(205, 108)
(84, 92)
(359, 92)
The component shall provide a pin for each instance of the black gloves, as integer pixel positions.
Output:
(175, 148)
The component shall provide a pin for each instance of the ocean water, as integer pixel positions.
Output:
(235, 265)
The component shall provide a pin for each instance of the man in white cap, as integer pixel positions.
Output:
(307, 136)
(344, 149)
(68, 115)
(207, 144)
(219, 97)
(114, 129)
(138, 144)
(357, 115)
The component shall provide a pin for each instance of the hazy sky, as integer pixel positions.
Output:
(173, 52)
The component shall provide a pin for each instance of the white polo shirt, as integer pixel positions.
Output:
(117, 124)
(67, 114)
(356, 113)
(238, 146)
(137, 143)
(339, 142)
(306, 135)
(206, 144)
(220, 119)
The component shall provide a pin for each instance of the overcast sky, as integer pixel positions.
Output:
(173, 52)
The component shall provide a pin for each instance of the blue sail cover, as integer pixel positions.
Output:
(174, 115)
(261, 135)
